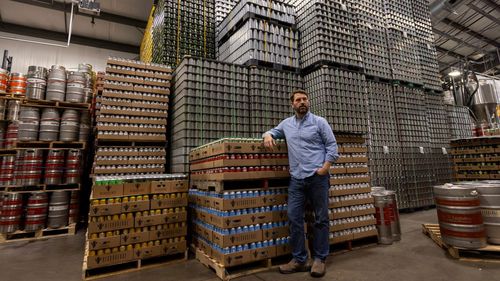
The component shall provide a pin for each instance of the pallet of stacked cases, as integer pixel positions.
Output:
(385, 153)
(132, 114)
(328, 34)
(210, 102)
(352, 213)
(222, 9)
(340, 97)
(404, 58)
(414, 137)
(460, 122)
(135, 222)
(239, 203)
(439, 136)
(426, 49)
(476, 158)
(183, 28)
(260, 33)
(269, 92)
(371, 22)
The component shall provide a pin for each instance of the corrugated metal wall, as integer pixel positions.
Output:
(26, 54)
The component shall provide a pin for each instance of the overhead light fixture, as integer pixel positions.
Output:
(455, 73)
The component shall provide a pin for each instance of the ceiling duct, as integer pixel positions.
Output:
(440, 9)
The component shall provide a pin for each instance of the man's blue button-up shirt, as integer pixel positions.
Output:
(310, 142)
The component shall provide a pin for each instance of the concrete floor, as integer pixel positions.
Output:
(415, 258)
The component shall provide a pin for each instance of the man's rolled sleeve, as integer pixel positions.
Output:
(277, 132)
(330, 142)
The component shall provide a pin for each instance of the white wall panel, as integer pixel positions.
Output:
(26, 54)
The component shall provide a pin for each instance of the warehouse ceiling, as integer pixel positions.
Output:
(120, 25)
(465, 30)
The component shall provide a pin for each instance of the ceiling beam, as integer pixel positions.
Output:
(66, 7)
(492, 4)
(450, 53)
(482, 12)
(470, 32)
(63, 37)
(458, 40)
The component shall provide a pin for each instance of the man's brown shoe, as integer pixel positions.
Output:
(292, 267)
(318, 268)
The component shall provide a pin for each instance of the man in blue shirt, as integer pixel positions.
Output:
(312, 148)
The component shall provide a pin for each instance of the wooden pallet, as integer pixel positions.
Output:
(50, 145)
(41, 187)
(133, 266)
(229, 273)
(490, 253)
(39, 234)
(234, 185)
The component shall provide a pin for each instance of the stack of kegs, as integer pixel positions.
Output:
(29, 166)
(56, 88)
(4, 78)
(73, 166)
(11, 212)
(36, 211)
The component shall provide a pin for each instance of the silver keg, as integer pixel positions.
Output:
(56, 86)
(393, 207)
(75, 87)
(459, 216)
(73, 166)
(3, 109)
(54, 166)
(84, 131)
(70, 125)
(489, 196)
(29, 123)
(36, 82)
(2, 134)
(74, 207)
(36, 211)
(13, 107)
(11, 213)
(49, 125)
(383, 215)
(29, 167)
(17, 84)
(11, 135)
(7, 170)
(58, 209)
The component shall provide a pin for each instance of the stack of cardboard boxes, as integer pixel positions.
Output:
(352, 213)
(237, 216)
(136, 219)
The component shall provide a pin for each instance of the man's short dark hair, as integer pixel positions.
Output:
(300, 91)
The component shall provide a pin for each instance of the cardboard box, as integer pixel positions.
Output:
(169, 203)
(102, 243)
(340, 192)
(135, 206)
(363, 212)
(241, 175)
(160, 219)
(169, 186)
(283, 250)
(274, 233)
(244, 256)
(237, 203)
(107, 191)
(230, 222)
(203, 231)
(340, 239)
(105, 210)
(357, 202)
(204, 247)
(236, 239)
(339, 227)
(161, 250)
(96, 227)
(352, 160)
(137, 188)
(280, 216)
(167, 233)
(365, 234)
(109, 259)
(132, 238)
